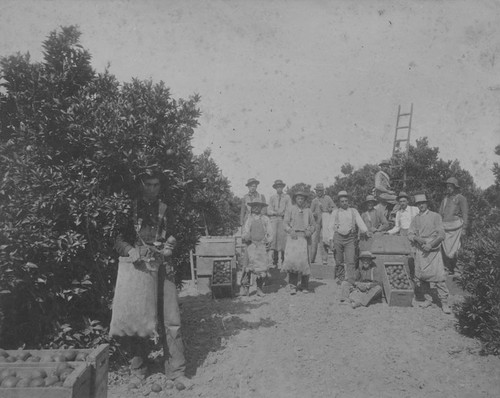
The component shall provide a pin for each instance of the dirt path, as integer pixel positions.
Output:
(309, 345)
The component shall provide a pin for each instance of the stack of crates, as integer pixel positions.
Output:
(216, 265)
(390, 251)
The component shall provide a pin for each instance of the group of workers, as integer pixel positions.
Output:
(287, 234)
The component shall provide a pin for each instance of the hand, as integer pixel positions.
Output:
(293, 235)
(369, 234)
(426, 247)
(134, 254)
(308, 233)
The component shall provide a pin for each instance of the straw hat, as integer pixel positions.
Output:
(420, 198)
(402, 195)
(452, 180)
(252, 181)
(366, 254)
(342, 194)
(257, 204)
(278, 183)
(370, 198)
(319, 187)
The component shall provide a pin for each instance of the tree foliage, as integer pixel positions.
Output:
(479, 314)
(72, 143)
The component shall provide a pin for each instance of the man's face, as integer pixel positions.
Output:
(370, 205)
(320, 193)
(279, 189)
(344, 202)
(299, 200)
(450, 189)
(252, 188)
(365, 262)
(150, 188)
(403, 203)
(422, 206)
(255, 209)
(385, 168)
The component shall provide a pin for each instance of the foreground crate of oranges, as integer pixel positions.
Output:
(96, 360)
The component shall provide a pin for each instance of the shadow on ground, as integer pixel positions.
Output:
(207, 324)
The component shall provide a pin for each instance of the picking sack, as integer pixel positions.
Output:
(134, 311)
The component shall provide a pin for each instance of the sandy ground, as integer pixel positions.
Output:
(308, 345)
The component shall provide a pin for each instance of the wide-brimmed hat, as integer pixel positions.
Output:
(342, 194)
(300, 193)
(257, 203)
(278, 183)
(402, 195)
(366, 254)
(370, 198)
(420, 198)
(385, 161)
(319, 187)
(452, 180)
(252, 181)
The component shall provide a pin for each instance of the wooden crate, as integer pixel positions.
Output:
(397, 297)
(218, 246)
(97, 358)
(223, 282)
(205, 265)
(76, 385)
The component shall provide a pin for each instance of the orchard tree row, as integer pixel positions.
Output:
(72, 143)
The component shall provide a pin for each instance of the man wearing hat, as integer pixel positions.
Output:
(321, 206)
(455, 212)
(426, 232)
(374, 220)
(343, 229)
(251, 196)
(404, 215)
(383, 181)
(299, 225)
(278, 206)
(143, 247)
(256, 234)
(360, 289)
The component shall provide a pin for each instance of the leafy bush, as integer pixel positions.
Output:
(72, 143)
(479, 314)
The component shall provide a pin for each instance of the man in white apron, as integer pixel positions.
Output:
(426, 232)
(455, 213)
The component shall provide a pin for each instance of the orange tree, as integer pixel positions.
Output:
(71, 145)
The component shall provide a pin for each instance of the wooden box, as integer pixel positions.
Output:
(205, 265)
(397, 297)
(97, 358)
(223, 280)
(218, 246)
(76, 385)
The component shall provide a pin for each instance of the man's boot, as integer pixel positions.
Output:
(293, 280)
(260, 284)
(340, 273)
(445, 307)
(304, 283)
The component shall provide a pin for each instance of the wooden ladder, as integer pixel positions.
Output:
(402, 132)
(402, 135)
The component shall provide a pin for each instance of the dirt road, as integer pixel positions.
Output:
(308, 345)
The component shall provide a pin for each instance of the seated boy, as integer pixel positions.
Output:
(360, 289)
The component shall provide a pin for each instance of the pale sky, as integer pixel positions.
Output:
(294, 89)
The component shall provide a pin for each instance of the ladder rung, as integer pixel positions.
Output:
(404, 114)
(402, 127)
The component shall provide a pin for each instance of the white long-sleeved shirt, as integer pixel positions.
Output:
(344, 221)
(403, 219)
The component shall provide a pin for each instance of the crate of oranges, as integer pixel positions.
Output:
(96, 359)
(398, 287)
